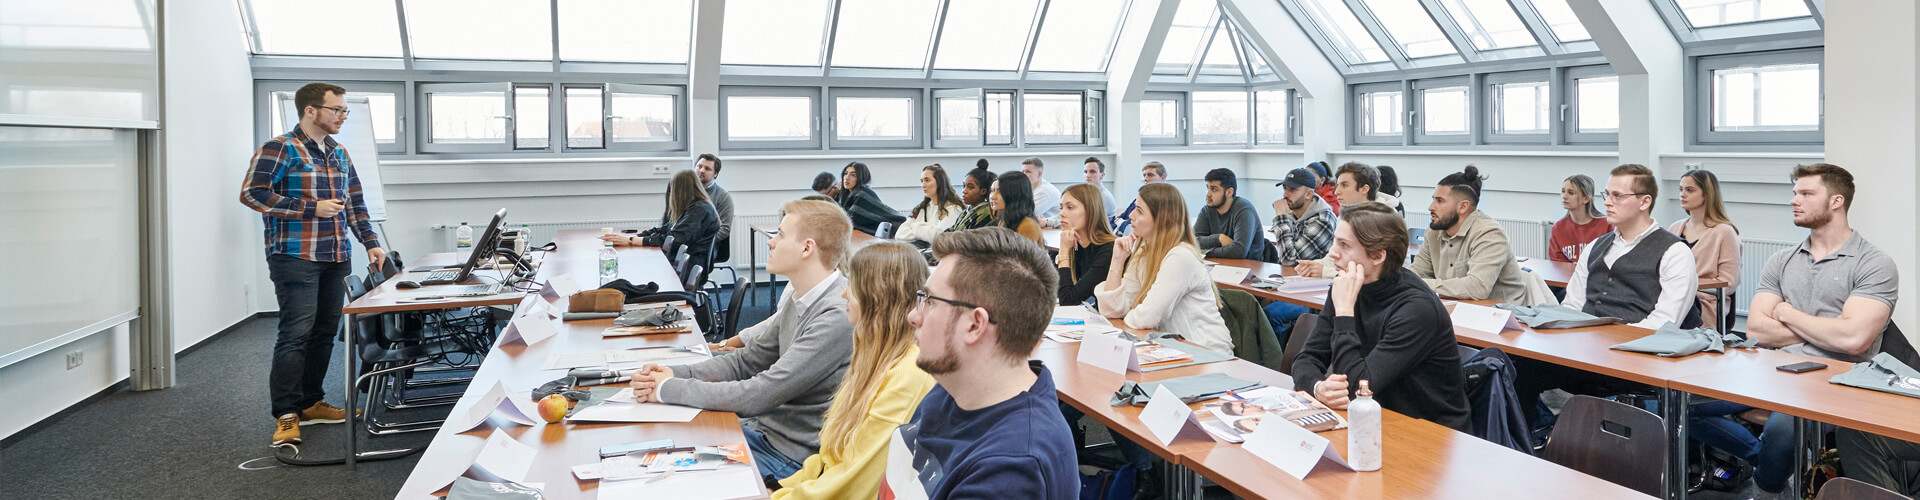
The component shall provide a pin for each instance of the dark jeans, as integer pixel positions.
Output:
(1281, 316)
(1881, 461)
(311, 295)
(1771, 453)
(773, 464)
(1533, 377)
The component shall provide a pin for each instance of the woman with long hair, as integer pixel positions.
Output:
(863, 205)
(690, 219)
(882, 386)
(1584, 221)
(939, 207)
(1086, 243)
(1163, 285)
(1013, 206)
(1713, 237)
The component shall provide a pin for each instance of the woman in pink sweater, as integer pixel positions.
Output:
(1714, 239)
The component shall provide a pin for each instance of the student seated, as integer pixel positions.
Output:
(689, 218)
(937, 211)
(1013, 207)
(1384, 326)
(883, 385)
(1086, 244)
(1229, 227)
(863, 205)
(1323, 180)
(1389, 189)
(1302, 233)
(1829, 297)
(1467, 255)
(1096, 174)
(1583, 223)
(1354, 183)
(1152, 173)
(1712, 236)
(1046, 196)
(826, 185)
(1639, 273)
(991, 428)
(979, 211)
(782, 382)
(1165, 286)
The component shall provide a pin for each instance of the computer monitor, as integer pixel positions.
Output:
(483, 248)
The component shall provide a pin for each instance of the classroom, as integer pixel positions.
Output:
(799, 249)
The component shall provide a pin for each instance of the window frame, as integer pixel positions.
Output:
(263, 100)
(1180, 119)
(1358, 118)
(1570, 104)
(1246, 109)
(916, 126)
(812, 143)
(1414, 109)
(564, 124)
(679, 95)
(1700, 114)
(424, 108)
(1020, 123)
(979, 97)
(1491, 104)
(1288, 99)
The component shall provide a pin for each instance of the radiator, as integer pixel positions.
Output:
(1527, 237)
(1753, 260)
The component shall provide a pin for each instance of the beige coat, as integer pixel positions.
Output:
(1474, 264)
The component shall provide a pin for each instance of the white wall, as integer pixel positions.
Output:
(216, 246)
(38, 387)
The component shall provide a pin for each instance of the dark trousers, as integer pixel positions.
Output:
(311, 295)
(1881, 461)
(1533, 377)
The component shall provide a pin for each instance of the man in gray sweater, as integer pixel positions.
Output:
(1228, 228)
(782, 381)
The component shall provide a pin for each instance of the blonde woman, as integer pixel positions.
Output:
(1712, 236)
(1163, 285)
(882, 387)
(1086, 243)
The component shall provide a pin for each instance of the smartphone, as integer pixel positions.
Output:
(1802, 367)
(614, 450)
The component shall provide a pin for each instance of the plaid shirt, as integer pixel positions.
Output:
(975, 217)
(290, 175)
(1303, 238)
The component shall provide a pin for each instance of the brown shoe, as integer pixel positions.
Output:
(286, 430)
(323, 413)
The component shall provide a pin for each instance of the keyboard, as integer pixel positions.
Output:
(441, 277)
(473, 290)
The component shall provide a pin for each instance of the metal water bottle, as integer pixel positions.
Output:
(1363, 431)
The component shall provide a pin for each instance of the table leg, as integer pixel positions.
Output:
(1673, 408)
(353, 353)
(1803, 447)
(1720, 313)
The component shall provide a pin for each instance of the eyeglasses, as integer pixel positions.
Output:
(343, 111)
(920, 301)
(1604, 195)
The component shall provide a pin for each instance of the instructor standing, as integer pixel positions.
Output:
(305, 188)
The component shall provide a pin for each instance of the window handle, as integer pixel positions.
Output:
(1563, 112)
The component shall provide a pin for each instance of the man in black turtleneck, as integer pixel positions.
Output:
(1383, 325)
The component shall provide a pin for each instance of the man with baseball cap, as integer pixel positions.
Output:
(1302, 231)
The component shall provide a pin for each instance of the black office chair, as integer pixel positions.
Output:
(384, 360)
(731, 326)
(1610, 441)
(1297, 340)
(689, 279)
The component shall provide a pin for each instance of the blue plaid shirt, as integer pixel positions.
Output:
(290, 175)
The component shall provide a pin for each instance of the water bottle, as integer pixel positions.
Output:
(463, 237)
(609, 263)
(1363, 431)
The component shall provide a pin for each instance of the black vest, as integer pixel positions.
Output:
(1629, 288)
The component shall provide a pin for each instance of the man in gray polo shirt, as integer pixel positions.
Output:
(1828, 297)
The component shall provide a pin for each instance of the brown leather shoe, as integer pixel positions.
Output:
(323, 413)
(286, 430)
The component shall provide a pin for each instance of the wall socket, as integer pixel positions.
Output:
(75, 358)
(660, 170)
(1692, 166)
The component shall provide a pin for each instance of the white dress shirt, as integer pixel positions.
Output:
(1678, 279)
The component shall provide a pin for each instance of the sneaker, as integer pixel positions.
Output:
(286, 430)
(323, 413)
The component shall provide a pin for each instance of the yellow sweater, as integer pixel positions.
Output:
(857, 474)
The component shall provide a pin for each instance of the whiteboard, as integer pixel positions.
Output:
(357, 136)
(69, 234)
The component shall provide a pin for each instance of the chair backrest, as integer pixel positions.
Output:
(367, 327)
(1610, 441)
(1840, 488)
(681, 268)
(883, 231)
(688, 280)
(1296, 341)
(668, 245)
(732, 326)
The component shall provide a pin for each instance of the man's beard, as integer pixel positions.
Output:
(1296, 205)
(946, 363)
(1814, 221)
(1445, 223)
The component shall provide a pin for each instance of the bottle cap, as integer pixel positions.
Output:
(1364, 391)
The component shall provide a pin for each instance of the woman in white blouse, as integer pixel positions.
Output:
(1164, 286)
(937, 210)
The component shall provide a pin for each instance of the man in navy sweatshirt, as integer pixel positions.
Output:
(992, 427)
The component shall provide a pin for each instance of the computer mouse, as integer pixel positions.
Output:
(407, 284)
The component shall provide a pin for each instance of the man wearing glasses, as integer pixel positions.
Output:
(992, 427)
(306, 190)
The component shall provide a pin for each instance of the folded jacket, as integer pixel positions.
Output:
(1190, 389)
(655, 317)
(1672, 342)
(1555, 316)
(1883, 373)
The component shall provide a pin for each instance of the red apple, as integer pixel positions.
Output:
(554, 407)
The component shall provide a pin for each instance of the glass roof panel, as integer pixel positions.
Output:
(603, 30)
(1259, 62)
(1489, 24)
(774, 32)
(1705, 13)
(1184, 37)
(479, 29)
(1560, 19)
(884, 33)
(1220, 58)
(1076, 35)
(985, 34)
(1344, 31)
(1410, 25)
(287, 28)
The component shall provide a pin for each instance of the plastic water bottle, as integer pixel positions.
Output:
(1363, 431)
(609, 263)
(463, 237)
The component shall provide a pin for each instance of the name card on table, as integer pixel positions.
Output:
(502, 458)
(496, 400)
(560, 287)
(1229, 274)
(1167, 417)
(1483, 318)
(1109, 352)
(1292, 448)
(529, 329)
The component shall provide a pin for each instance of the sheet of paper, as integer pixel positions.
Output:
(560, 287)
(496, 400)
(727, 483)
(1292, 448)
(1165, 415)
(529, 330)
(1483, 318)
(665, 356)
(613, 469)
(1229, 274)
(1108, 352)
(504, 457)
(643, 412)
(1299, 285)
(565, 360)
